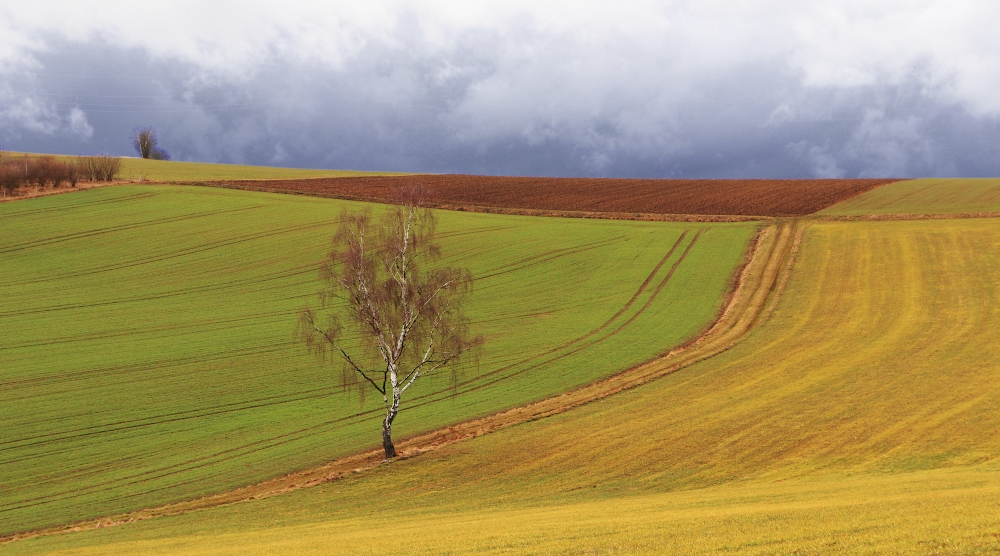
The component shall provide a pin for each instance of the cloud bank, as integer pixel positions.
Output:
(676, 89)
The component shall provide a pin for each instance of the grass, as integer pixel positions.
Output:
(861, 417)
(938, 512)
(174, 171)
(146, 354)
(925, 196)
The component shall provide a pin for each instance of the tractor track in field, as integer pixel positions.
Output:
(419, 401)
(751, 301)
(171, 417)
(95, 232)
(211, 325)
(297, 435)
(183, 252)
(547, 256)
(497, 375)
(120, 370)
(33, 211)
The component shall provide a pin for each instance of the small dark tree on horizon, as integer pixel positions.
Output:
(381, 281)
(144, 140)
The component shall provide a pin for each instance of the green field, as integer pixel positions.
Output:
(861, 417)
(925, 196)
(146, 353)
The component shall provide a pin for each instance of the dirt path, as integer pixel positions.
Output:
(761, 279)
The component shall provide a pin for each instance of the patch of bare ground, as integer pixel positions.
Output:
(638, 199)
(768, 263)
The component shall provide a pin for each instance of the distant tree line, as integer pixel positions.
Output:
(19, 173)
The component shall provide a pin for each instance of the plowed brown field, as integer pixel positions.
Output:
(588, 195)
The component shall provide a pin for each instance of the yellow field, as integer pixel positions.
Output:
(134, 169)
(863, 416)
(924, 196)
(173, 171)
(939, 512)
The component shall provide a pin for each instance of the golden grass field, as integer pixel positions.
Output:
(175, 171)
(863, 416)
(172, 171)
(925, 196)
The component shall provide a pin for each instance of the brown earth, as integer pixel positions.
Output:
(640, 199)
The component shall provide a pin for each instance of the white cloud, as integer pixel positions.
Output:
(663, 44)
(604, 82)
(78, 124)
(28, 114)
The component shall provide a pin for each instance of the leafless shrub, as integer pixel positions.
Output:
(10, 177)
(72, 170)
(41, 171)
(101, 167)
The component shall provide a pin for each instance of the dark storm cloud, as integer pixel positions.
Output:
(521, 99)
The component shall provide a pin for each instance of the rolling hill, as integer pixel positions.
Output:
(148, 357)
(857, 411)
(861, 416)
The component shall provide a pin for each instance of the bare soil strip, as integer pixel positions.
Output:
(633, 199)
(768, 264)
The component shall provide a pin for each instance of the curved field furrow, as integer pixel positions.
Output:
(758, 279)
(118, 370)
(76, 204)
(462, 388)
(546, 257)
(154, 420)
(860, 416)
(562, 351)
(147, 383)
(417, 402)
(203, 325)
(163, 257)
(132, 226)
(605, 324)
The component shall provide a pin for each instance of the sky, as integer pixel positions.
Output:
(671, 89)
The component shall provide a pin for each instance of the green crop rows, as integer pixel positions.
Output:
(146, 353)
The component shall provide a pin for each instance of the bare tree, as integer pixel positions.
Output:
(159, 154)
(10, 175)
(144, 139)
(409, 317)
(100, 167)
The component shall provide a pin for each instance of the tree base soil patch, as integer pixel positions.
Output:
(595, 197)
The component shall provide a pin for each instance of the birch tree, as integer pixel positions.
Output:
(381, 282)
